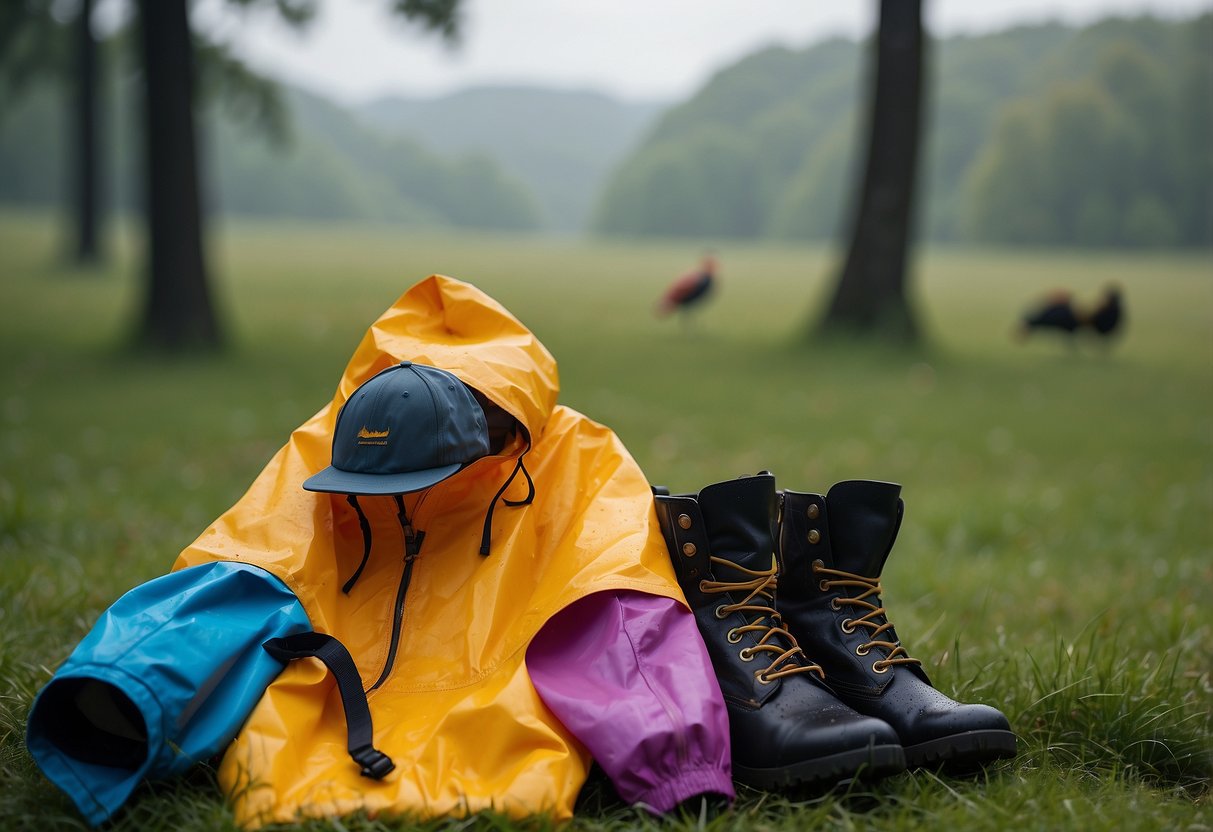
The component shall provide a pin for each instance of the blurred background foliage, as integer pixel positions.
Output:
(1040, 135)
(1037, 135)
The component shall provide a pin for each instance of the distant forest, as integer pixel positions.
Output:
(1039, 135)
(327, 165)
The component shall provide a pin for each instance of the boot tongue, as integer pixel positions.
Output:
(864, 518)
(739, 517)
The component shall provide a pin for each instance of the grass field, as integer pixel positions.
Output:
(1057, 554)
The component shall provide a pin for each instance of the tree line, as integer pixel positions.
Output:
(1036, 135)
(311, 160)
(1041, 135)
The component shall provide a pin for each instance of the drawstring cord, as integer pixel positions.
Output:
(412, 537)
(488, 517)
(366, 544)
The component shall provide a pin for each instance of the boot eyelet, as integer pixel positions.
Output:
(863, 650)
(834, 605)
(745, 654)
(702, 587)
(818, 565)
(689, 549)
(847, 626)
(883, 668)
(684, 521)
(762, 679)
(733, 636)
(823, 585)
(721, 613)
(813, 511)
(814, 537)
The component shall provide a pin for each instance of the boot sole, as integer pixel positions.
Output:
(869, 763)
(961, 750)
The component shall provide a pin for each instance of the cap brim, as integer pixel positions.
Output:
(336, 481)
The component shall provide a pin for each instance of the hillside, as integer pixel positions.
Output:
(562, 144)
(330, 165)
(1038, 134)
(1045, 134)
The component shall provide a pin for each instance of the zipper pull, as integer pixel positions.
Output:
(412, 537)
(412, 542)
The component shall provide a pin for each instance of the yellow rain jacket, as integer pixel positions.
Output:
(456, 709)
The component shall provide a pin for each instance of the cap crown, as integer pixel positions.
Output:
(404, 429)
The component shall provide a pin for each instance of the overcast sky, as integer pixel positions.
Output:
(654, 49)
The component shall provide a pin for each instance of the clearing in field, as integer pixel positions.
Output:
(1055, 561)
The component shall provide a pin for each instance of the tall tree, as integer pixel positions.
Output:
(35, 42)
(86, 175)
(870, 295)
(179, 310)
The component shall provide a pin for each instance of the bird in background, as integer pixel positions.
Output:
(690, 289)
(1061, 313)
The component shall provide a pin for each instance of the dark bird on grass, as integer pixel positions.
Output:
(690, 289)
(1059, 312)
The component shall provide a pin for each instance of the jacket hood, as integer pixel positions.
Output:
(452, 325)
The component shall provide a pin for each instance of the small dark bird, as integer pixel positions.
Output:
(689, 289)
(1106, 318)
(1059, 312)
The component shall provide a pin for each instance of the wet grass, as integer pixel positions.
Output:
(1056, 558)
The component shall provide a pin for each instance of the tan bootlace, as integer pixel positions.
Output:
(870, 586)
(759, 601)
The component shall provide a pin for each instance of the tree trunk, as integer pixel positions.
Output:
(870, 296)
(177, 313)
(86, 190)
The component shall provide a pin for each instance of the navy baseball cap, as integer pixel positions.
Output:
(403, 430)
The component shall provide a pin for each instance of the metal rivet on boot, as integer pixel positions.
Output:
(814, 536)
(688, 549)
(813, 511)
(684, 520)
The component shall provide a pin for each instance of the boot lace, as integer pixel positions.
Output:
(871, 619)
(760, 602)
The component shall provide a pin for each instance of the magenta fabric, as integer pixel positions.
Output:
(628, 675)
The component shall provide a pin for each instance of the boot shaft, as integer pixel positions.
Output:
(851, 529)
(714, 537)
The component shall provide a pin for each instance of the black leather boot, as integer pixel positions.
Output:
(832, 551)
(785, 726)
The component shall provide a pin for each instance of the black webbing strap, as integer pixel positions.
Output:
(360, 735)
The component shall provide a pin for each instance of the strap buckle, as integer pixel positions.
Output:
(372, 762)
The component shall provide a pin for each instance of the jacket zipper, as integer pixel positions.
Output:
(412, 547)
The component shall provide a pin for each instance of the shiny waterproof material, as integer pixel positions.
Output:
(589, 662)
(851, 530)
(164, 679)
(786, 729)
(440, 633)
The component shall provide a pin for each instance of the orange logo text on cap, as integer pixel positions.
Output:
(373, 437)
